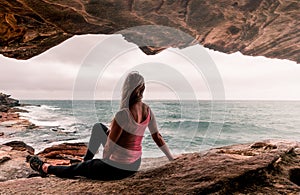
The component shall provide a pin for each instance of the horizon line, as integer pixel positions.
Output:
(162, 100)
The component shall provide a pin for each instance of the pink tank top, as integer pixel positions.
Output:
(129, 146)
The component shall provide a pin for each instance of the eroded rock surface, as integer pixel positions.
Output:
(268, 167)
(261, 27)
(12, 161)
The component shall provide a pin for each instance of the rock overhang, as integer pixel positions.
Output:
(264, 28)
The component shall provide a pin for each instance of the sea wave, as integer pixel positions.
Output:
(189, 124)
(47, 116)
(50, 107)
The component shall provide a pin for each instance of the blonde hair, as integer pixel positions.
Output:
(132, 90)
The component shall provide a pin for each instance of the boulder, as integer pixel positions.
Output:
(7, 101)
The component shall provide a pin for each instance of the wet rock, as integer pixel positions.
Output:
(17, 124)
(261, 27)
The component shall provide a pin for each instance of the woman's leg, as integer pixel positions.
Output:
(91, 169)
(98, 136)
(94, 169)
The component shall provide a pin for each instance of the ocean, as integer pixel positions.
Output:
(187, 126)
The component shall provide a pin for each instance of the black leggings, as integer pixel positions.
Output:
(96, 168)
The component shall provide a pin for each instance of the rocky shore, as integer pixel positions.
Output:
(9, 115)
(267, 167)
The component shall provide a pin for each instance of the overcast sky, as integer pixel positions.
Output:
(56, 73)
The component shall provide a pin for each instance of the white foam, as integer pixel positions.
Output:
(50, 107)
(47, 116)
(44, 123)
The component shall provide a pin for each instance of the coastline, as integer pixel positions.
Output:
(10, 120)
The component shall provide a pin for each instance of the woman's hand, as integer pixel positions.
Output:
(106, 153)
(171, 158)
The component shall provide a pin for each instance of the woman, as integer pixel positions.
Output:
(122, 144)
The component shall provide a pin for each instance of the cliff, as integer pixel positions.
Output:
(254, 27)
(267, 167)
(9, 115)
(6, 103)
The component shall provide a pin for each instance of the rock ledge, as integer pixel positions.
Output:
(267, 167)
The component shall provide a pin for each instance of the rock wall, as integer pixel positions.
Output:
(253, 27)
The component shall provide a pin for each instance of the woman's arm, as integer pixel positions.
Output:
(160, 142)
(158, 139)
(112, 139)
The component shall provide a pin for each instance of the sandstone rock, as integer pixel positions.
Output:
(261, 27)
(20, 146)
(12, 161)
(64, 154)
(5, 116)
(16, 123)
(218, 171)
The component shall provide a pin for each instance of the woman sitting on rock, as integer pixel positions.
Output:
(122, 144)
